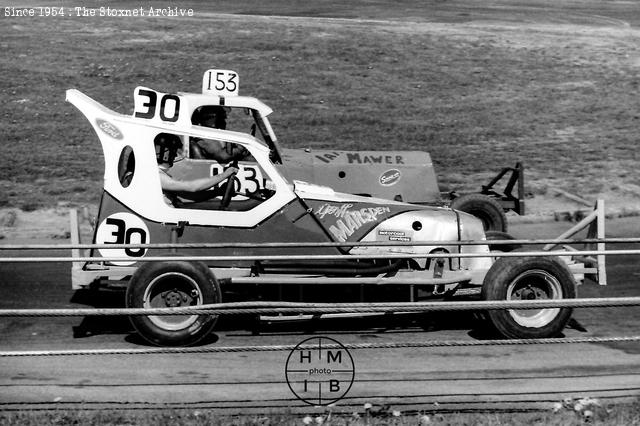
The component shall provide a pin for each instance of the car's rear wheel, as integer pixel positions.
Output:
(529, 278)
(173, 284)
(501, 236)
(485, 208)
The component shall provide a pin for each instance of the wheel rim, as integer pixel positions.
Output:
(534, 285)
(172, 290)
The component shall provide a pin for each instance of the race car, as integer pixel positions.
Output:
(407, 176)
(374, 248)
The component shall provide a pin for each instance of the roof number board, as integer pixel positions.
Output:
(220, 82)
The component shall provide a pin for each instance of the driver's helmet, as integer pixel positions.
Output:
(167, 146)
(214, 116)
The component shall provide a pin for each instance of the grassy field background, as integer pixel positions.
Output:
(550, 83)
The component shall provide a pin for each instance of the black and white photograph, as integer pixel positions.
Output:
(360, 212)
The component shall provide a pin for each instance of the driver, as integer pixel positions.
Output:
(214, 116)
(175, 190)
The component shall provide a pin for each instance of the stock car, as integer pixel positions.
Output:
(376, 249)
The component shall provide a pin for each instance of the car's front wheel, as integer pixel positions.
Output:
(529, 278)
(173, 284)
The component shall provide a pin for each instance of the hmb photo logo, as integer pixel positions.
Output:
(320, 371)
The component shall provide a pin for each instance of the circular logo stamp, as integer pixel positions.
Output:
(320, 371)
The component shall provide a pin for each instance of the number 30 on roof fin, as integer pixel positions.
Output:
(220, 82)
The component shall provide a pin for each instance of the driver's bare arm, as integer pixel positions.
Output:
(195, 185)
(216, 150)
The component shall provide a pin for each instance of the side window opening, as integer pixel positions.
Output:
(247, 189)
(193, 184)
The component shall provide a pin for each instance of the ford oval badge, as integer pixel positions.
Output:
(390, 177)
(109, 129)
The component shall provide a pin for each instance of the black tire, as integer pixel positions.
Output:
(172, 284)
(527, 278)
(485, 208)
(501, 236)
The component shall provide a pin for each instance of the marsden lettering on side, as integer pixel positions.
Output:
(349, 220)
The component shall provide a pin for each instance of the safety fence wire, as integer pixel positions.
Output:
(398, 256)
(362, 245)
(569, 241)
(348, 346)
(248, 308)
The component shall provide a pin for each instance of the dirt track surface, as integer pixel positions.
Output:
(445, 378)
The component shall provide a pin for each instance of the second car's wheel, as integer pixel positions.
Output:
(529, 278)
(485, 208)
(173, 284)
(501, 236)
